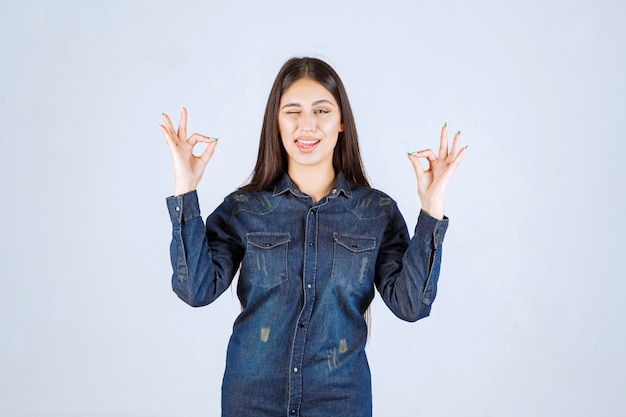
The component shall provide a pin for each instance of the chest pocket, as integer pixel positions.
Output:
(352, 256)
(266, 258)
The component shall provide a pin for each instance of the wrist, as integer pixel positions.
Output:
(433, 211)
(183, 186)
(180, 190)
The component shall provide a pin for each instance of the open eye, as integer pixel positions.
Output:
(321, 111)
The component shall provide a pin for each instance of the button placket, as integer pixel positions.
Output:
(297, 354)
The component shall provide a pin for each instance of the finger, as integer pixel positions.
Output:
(427, 154)
(164, 132)
(455, 147)
(168, 138)
(417, 164)
(182, 124)
(455, 163)
(167, 123)
(457, 159)
(206, 155)
(443, 142)
(196, 137)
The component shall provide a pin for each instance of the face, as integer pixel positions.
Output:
(309, 122)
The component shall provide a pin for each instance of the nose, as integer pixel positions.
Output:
(307, 123)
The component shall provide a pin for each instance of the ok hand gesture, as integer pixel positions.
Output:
(432, 183)
(188, 168)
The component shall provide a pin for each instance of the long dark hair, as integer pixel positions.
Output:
(272, 158)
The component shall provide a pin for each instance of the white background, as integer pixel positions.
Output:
(529, 319)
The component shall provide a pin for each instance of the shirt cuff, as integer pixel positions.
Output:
(184, 207)
(430, 229)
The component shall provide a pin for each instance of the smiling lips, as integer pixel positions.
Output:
(306, 145)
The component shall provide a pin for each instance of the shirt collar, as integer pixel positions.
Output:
(284, 184)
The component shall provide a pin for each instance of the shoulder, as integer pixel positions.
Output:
(368, 202)
(252, 201)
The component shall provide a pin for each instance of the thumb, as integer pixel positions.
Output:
(417, 165)
(206, 155)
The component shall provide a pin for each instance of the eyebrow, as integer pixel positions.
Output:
(314, 103)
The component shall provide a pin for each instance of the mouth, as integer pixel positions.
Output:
(306, 145)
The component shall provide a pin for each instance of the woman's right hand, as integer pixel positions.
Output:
(188, 168)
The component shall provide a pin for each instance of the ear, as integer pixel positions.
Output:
(341, 127)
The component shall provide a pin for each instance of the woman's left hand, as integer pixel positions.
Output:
(432, 183)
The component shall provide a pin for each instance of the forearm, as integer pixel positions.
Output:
(408, 285)
(196, 278)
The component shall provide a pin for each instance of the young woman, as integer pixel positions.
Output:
(311, 240)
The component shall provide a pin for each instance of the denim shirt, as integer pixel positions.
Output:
(307, 273)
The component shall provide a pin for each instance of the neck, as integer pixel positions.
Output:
(314, 181)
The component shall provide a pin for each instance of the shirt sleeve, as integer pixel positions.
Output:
(204, 258)
(407, 271)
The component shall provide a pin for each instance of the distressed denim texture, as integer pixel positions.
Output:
(307, 274)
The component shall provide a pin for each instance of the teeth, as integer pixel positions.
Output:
(308, 142)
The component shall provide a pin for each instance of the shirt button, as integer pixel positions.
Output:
(310, 244)
(293, 412)
(308, 285)
(334, 191)
(295, 369)
(177, 208)
(301, 325)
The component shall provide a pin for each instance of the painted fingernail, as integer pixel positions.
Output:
(445, 124)
(458, 132)
(214, 139)
(411, 153)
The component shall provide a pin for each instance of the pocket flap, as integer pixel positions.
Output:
(267, 240)
(355, 243)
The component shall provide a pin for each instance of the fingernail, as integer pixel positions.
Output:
(458, 133)
(162, 114)
(411, 153)
(214, 139)
(445, 124)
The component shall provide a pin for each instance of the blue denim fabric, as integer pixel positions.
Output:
(307, 276)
